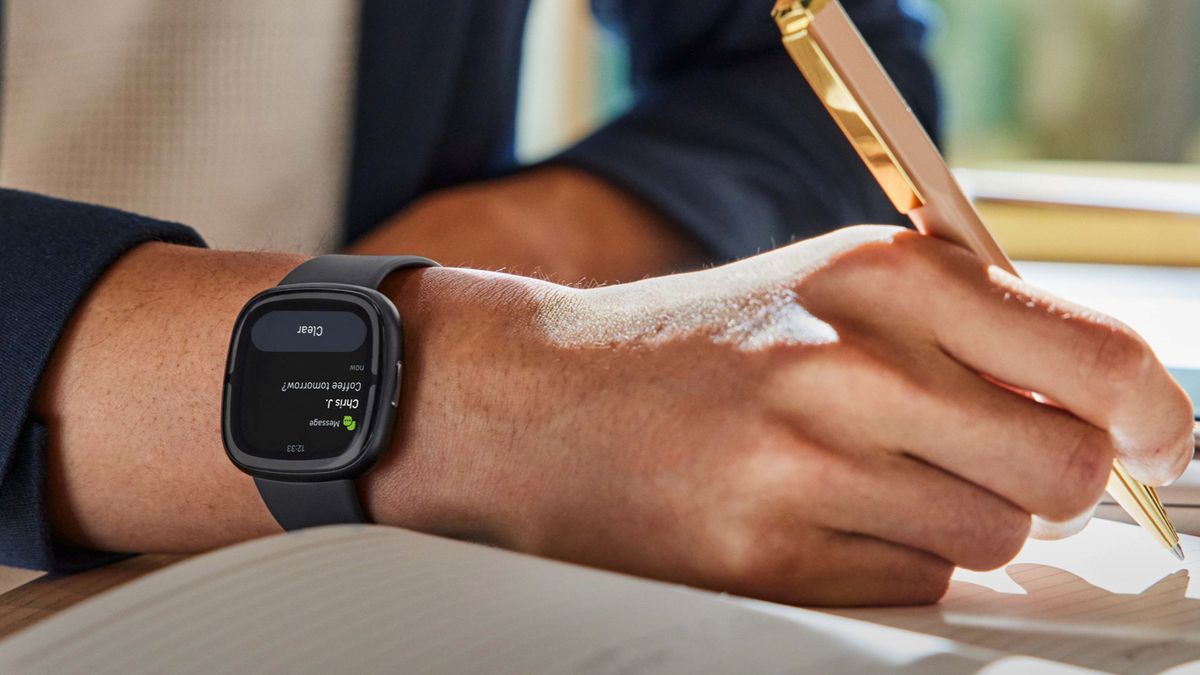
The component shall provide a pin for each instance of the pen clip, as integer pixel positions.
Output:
(794, 18)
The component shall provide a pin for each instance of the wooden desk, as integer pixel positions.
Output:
(12, 577)
(45, 596)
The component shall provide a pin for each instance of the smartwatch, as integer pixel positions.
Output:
(312, 384)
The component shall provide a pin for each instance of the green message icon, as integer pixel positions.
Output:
(349, 423)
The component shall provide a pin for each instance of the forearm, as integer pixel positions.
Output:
(559, 223)
(133, 400)
(700, 428)
(724, 135)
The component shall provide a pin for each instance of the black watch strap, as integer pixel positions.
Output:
(294, 504)
(368, 271)
(299, 505)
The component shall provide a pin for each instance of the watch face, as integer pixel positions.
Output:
(304, 383)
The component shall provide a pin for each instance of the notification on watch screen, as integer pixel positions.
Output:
(303, 380)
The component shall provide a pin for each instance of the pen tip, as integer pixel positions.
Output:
(1177, 551)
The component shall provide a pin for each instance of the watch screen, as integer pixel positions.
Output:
(304, 379)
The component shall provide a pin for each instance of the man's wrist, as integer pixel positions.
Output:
(466, 333)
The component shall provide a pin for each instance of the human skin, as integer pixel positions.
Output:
(555, 223)
(810, 426)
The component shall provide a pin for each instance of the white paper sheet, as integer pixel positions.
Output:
(1110, 598)
(370, 599)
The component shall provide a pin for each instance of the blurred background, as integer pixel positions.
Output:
(1044, 99)
(1108, 80)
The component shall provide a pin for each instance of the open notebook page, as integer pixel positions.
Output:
(373, 599)
(1109, 598)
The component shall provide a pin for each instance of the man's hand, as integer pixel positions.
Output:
(817, 425)
(557, 223)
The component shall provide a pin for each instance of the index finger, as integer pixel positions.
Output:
(1089, 363)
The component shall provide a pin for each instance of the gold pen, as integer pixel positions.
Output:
(862, 99)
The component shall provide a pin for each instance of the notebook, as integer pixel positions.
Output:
(1109, 598)
(367, 599)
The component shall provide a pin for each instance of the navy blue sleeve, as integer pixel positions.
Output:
(726, 137)
(51, 253)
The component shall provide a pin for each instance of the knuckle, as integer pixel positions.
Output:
(888, 379)
(893, 257)
(751, 549)
(868, 368)
(1114, 357)
(859, 373)
(870, 265)
(862, 368)
(1085, 465)
(942, 260)
(749, 560)
(894, 376)
(913, 253)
